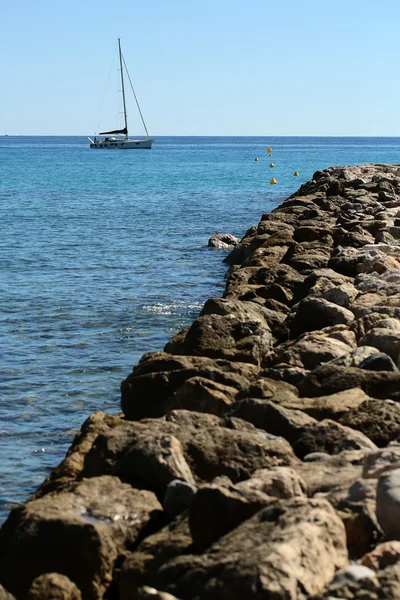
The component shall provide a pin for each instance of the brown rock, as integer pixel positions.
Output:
(79, 532)
(290, 549)
(219, 507)
(382, 556)
(148, 391)
(211, 446)
(203, 395)
(139, 568)
(328, 407)
(155, 460)
(72, 465)
(53, 586)
(272, 417)
(309, 350)
(322, 472)
(269, 389)
(4, 595)
(355, 504)
(317, 313)
(385, 459)
(329, 379)
(229, 338)
(279, 482)
(331, 437)
(377, 419)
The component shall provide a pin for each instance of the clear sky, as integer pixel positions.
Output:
(203, 67)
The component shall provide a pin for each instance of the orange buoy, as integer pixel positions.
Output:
(273, 181)
(269, 149)
(296, 174)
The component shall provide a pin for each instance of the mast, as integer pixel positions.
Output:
(123, 88)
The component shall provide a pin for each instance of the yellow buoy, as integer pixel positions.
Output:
(296, 174)
(256, 159)
(269, 149)
(271, 165)
(273, 181)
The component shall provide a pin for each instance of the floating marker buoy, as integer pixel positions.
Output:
(271, 165)
(270, 154)
(273, 181)
(269, 149)
(296, 174)
(256, 159)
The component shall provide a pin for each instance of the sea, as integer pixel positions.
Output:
(104, 257)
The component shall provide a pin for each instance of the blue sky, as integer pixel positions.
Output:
(205, 67)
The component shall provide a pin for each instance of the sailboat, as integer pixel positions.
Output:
(122, 141)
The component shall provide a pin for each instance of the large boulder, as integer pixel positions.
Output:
(317, 313)
(149, 390)
(53, 586)
(289, 550)
(211, 446)
(78, 532)
(377, 419)
(388, 503)
(329, 379)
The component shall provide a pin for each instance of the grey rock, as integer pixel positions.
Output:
(381, 461)
(223, 241)
(388, 503)
(355, 357)
(378, 362)
(149, 593)
(350, 574)
(178, 497)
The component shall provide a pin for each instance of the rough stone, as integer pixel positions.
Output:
(4, 595)
(377, 419)
(219, 507)
(140, 567)
(223, 241)
(356, 506)
(385, 554)
(317, 313)
(309, 351)
(78, 532)
(53, 586)
(148, 391)
(178, 497)
(211, 446)
(288, 550)
(377, 463)
(388, 503)
(329, 379)
(326, 472)
(332, 406)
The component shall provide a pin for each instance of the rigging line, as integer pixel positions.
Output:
(134, 94)
(106, 85)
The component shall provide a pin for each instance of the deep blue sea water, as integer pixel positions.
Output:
(103, 256)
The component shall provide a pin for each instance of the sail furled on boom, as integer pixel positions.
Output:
(123, 131)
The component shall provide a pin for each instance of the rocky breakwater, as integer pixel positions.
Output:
(258, 456)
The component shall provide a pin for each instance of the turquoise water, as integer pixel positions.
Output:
(104, 256)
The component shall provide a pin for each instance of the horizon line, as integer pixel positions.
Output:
(213, 135)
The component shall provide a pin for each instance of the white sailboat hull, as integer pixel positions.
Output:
(115, 144)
